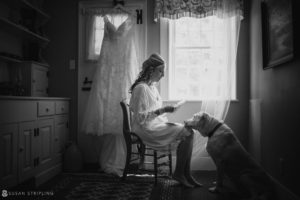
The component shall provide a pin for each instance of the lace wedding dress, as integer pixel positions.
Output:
(116, 72)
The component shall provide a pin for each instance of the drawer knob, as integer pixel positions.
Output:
(62, 108)
(21, 149)
(47, 109)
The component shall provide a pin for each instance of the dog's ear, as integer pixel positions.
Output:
(205, 116)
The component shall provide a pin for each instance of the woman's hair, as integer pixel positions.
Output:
(148, 67)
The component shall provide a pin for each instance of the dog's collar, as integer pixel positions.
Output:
(213, 131)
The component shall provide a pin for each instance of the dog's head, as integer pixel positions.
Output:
(202, 122)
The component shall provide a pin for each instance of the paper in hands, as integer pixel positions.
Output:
(179, 104)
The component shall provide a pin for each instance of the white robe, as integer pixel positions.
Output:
(155, 131)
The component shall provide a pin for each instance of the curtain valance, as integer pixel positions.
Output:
(174, 9)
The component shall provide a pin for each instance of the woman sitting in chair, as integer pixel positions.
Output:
(152, 126)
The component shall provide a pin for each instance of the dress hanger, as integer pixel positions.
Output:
(119, 7)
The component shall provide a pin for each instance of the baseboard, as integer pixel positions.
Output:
(47, 174)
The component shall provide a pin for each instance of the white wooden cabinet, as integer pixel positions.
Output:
(45, 141)
(34, 132)
(39, 80)
(8, 154)
(60, 134)
(27, 141)
(34, 78)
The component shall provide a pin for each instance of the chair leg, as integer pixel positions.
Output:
(155, 166)
(128, 158)
(170, 164)
(142, 155)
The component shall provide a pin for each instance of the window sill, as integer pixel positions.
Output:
(193, 101)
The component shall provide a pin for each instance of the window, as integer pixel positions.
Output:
(94, 33)
(200, 56)
(99, 33)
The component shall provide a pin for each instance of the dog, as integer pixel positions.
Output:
(231, 159)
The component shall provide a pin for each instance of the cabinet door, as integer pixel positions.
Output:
(27, 150)
(61, 134)
(39, 85)
(8, 155)
(45, 134)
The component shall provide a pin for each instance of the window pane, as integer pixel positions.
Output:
(194, 75)
(193, 32)
(99, 33)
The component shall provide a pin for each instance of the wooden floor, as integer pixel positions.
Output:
(199, 193)
(178, 192)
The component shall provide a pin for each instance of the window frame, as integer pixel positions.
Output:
(166, 48)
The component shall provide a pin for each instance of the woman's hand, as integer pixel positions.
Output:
(169, 109)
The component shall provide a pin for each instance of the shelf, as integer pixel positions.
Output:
(9, 59)
(38, 10)
(17, 4)
(36, 62)
(19, 30)
(14, 60)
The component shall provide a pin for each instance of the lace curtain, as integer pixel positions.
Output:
(174, 9)
(230, 12)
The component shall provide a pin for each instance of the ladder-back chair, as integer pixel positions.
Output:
(134, 142)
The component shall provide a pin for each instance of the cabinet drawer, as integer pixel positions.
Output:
(61, 107)
(45, 108)
(17, 111)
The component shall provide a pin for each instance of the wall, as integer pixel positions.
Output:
(63, 30)
(275, 97)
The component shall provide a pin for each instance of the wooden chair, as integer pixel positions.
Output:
(133, 140)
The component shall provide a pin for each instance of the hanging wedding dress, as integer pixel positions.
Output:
(116, 72)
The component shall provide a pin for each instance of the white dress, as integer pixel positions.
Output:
(155, 131)
(115, 74)
(117, 69)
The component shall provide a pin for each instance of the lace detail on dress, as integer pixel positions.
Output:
(116, 72)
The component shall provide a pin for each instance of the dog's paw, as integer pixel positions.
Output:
(214, 189)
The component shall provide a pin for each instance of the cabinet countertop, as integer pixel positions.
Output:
(32, 98)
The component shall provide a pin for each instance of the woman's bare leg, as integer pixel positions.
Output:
(182, 152)
(187, 170)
